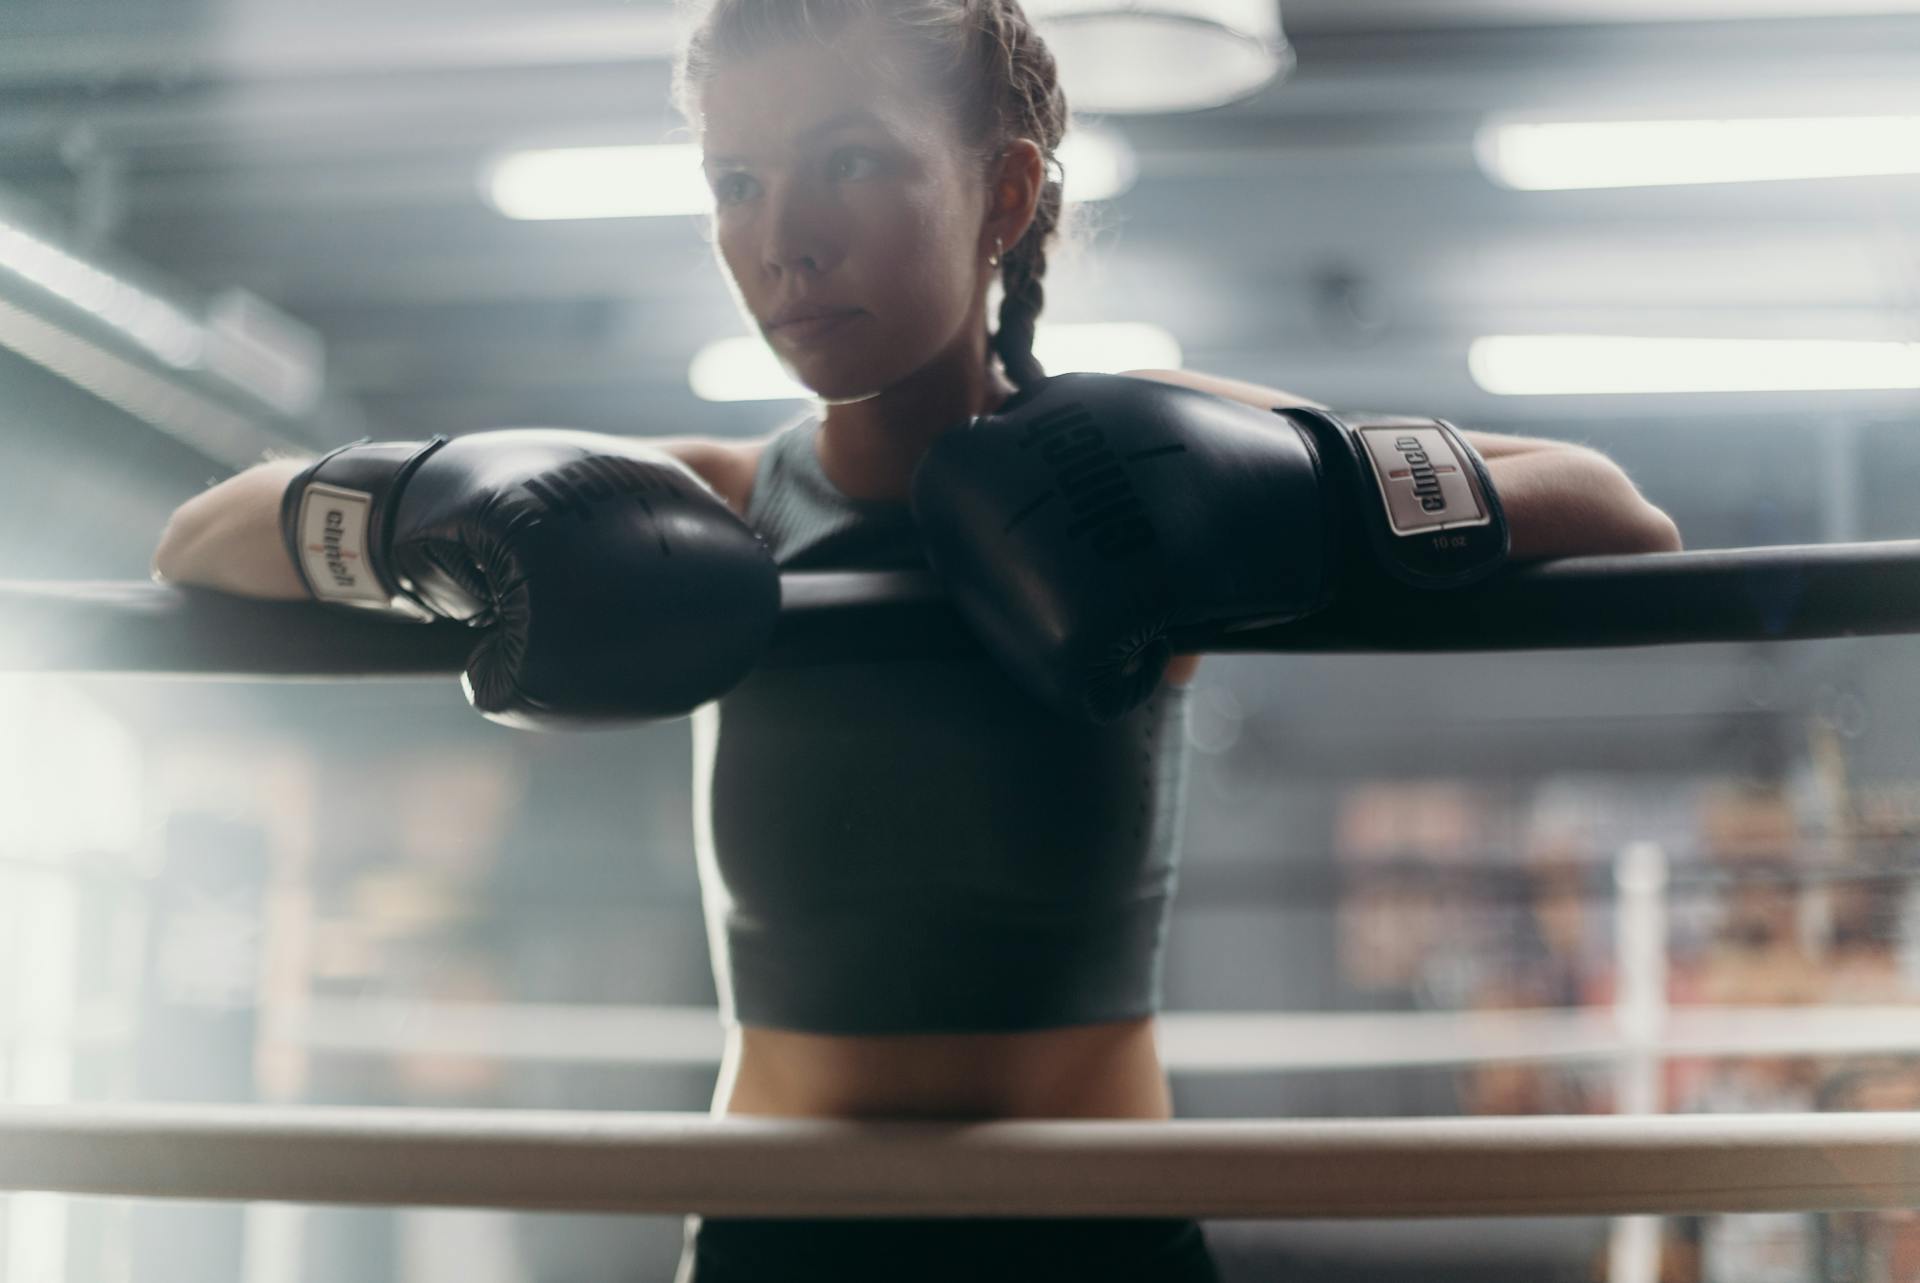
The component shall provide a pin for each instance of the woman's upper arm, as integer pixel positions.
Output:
(727, 466)
(1500, 445)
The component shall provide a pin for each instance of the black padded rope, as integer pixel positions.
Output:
(1733, 595)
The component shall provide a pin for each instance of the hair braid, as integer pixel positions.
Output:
(1023, 272)
(1031, 105)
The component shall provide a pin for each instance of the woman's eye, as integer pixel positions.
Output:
(852, 163)
(731, 187)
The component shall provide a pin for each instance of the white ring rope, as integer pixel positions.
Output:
(747, 1166)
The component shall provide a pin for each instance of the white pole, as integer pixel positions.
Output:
(1640, 1008)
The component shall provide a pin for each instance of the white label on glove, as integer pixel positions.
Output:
(333, 545)
(1425, 483)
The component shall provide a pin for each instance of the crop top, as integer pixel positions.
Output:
(919, 846)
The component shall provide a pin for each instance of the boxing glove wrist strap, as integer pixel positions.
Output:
(337, 518)
(1427, 509)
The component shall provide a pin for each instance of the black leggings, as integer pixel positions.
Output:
(946, 1250)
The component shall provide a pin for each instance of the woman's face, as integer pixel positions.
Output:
(839, 185)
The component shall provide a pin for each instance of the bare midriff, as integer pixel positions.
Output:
(1085, 1071)
(1109, 1070)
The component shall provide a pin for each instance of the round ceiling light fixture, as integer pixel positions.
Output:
(1140, 57)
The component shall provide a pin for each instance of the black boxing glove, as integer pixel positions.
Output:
(1094, 518)
(1424, 513)
(612, 583)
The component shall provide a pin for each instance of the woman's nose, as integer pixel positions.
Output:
(801, 234)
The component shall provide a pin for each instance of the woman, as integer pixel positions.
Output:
(927, 897)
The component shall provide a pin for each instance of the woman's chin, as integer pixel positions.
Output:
(846, 398)
(839, 386)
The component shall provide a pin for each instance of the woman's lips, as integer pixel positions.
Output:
(815, 327)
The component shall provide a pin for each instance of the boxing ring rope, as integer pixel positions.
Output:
(1745, 594)
(1247, 1168)
(672, 1164)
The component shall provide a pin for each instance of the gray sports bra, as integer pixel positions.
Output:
(920, 846)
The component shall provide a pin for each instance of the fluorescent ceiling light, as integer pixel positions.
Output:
(741, 369)
(152, 322)
(745, 369)
(1141, 56)
(1596, 365)
(1658, 153)
(1099, 163)
(1106, 347)
(243, 340)
(665, 180)
(168, 404)
(600, 182)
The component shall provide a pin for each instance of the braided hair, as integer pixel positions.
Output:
(996, 74)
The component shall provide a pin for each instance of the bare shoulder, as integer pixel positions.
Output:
(725, 464)
(1254, 394)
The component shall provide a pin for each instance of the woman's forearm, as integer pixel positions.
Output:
(1568, 501)
(228, 537)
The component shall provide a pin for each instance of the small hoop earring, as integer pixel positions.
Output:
(999, 251)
